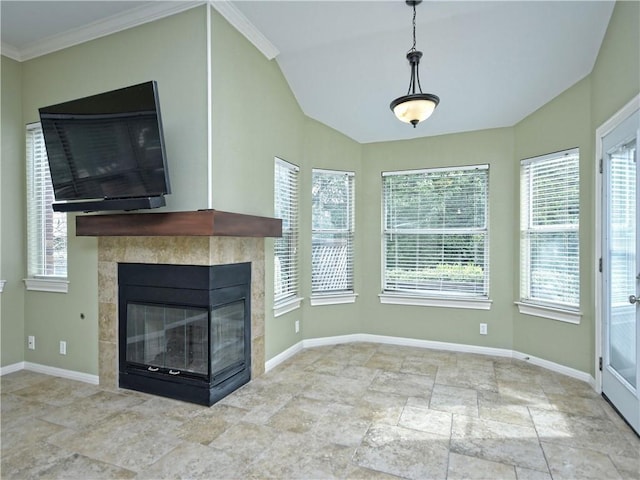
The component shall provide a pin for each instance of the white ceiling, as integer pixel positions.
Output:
(491, 63)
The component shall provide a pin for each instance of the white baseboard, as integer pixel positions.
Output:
(322, 341)
(428, 344)
(281, 357)
(325, 341)
(15, 367)
(556, 367)
(433, 345)
(53, 371)
(61, 372)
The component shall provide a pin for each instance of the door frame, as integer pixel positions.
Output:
(601, 132)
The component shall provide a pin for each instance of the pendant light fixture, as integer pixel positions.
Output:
(414, 107)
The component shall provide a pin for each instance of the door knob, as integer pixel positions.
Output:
(633, 299)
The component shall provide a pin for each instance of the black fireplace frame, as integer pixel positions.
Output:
(194, 286)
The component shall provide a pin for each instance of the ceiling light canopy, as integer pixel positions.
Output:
(415, 106)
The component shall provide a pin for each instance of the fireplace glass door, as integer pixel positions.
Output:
(168, 338)
(184, 331)
(227, 339)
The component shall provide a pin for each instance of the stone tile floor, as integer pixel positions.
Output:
(361, 411)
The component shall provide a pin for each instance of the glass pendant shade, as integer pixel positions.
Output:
(414, 108)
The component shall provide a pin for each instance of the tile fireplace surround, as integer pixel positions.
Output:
(177, 250)
(202, 237)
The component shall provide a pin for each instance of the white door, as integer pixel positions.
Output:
(621, 268)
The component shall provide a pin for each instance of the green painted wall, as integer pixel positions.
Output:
(172, 52)
(567, 121)
(328, 149)
(615, 78)
(563, 123)
(254, 118)
(12, 214)
(493, 147)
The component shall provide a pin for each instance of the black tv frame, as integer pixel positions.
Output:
(84, 106)
(109, 204)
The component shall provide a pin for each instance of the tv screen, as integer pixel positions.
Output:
(107, 147)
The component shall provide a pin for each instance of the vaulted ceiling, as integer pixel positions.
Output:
(492, 63)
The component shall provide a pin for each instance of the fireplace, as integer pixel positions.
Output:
(184, 330)
(203, 237)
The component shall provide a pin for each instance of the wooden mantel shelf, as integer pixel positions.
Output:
(206, 223)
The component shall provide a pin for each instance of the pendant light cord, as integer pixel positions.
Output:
(415, 73)
(413, 48)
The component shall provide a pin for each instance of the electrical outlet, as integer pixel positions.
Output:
(31, 342)
(483, 329)
(63, 347)
(297, 326)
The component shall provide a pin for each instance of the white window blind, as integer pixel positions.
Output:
(286, 247)
(549, 224)
(622, 223)
(46, 229)
(332, 231)
(436, 239)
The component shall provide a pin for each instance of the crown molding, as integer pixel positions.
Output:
(10, 51)
(133, 18)
(116, 23)
(241, 23)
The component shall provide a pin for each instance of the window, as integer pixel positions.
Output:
(286, 247)
(436, 233)
(46, 229)
(549, 221)
(332, 234)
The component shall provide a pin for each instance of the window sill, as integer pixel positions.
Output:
(447, 302)
(55, 285)
(552, 313)
(333, 298)
(287, 306)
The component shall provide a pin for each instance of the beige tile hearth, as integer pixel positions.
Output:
(344, 411)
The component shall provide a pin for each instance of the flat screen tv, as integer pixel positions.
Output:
(106, 152)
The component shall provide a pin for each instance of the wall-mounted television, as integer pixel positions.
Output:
(106, 151)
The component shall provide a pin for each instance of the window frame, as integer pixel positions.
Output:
(432, 297)
(44, 272)
(528, 303)
(332, 296)
(290, 299)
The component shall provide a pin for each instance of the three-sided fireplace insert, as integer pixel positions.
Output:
(184, 330)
